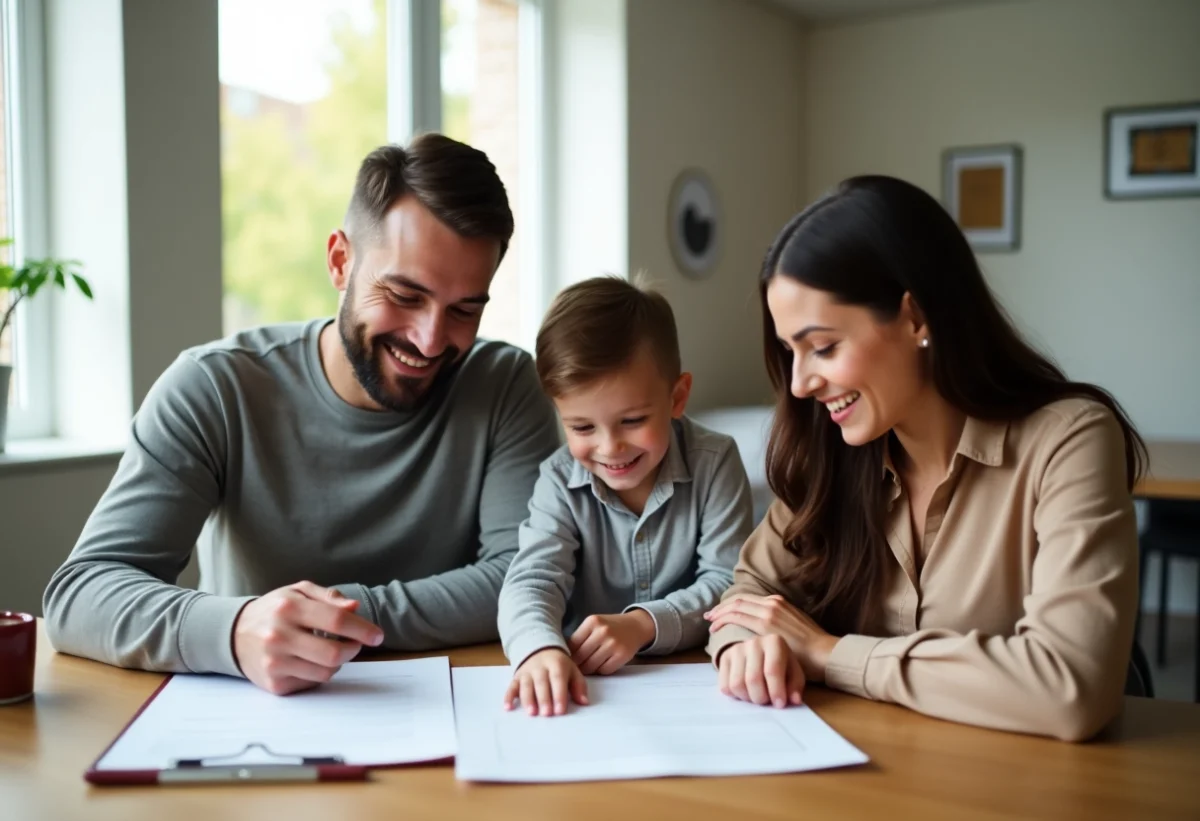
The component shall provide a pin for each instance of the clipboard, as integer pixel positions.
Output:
(412, 696)
(223, 769)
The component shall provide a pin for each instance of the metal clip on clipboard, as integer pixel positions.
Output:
(229, 768)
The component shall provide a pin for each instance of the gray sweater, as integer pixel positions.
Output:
(414, 515)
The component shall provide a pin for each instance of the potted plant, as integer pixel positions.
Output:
(20, 284)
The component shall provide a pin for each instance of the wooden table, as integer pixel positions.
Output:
(1174, 471)
(1145, 766)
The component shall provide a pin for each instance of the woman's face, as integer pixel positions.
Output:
(866, 373)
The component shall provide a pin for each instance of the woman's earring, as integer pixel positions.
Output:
(925, 342)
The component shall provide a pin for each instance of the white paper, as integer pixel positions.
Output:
(645, 721)
(370, 713)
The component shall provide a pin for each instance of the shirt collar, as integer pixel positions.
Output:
(980, 441)
(983, 441)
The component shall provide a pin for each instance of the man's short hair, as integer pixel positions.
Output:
(457, 183)
(596, 327)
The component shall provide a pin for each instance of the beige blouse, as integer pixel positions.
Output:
(1019, 615)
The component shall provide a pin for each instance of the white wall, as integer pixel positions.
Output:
(715, 84)
(1110, 289)
(133, 110)
(85, 89)
(588, 226)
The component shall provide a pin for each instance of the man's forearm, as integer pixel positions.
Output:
(116, 613)
(452, 608)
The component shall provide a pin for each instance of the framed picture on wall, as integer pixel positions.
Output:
(981, 188)
(694, 223)
(1152, 151)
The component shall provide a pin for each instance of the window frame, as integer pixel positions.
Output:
(33, 332)
(537, 162)
(415, 105)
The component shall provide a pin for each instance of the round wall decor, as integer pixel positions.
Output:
(694, 223)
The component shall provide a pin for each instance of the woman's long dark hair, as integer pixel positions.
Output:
(867, 243)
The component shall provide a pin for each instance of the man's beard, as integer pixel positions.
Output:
(394, 392)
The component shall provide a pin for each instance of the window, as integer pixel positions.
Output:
(304, 96)
(493, 93)
(22, 214)
(480, 94)
(303, 99)
(6, 346)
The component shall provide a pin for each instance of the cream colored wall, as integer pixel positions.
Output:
(715, 84)
(173, 142)
(1111, 289)
(42, 511)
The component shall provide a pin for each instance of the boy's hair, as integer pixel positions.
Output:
(597, 326)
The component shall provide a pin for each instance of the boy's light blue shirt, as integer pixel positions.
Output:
(583, 552)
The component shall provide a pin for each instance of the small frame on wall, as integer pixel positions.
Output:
(1152, 151)
(981, 188)
(694, 223)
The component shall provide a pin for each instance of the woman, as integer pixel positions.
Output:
(953, 528)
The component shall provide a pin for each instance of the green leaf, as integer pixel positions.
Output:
(60, 278)
(5, 241)
(36, 281)
(84, 288)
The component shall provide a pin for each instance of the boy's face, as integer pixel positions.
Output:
(619, 427)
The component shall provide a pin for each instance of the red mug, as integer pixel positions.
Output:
(18, 648)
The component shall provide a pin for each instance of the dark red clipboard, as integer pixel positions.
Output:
(293, 773)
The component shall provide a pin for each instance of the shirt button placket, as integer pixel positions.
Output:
(641, 563)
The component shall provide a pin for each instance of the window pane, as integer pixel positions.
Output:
(480, 91)
(25, 343)
(6, 198)
(303, 99)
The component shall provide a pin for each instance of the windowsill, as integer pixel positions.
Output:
(36, 454)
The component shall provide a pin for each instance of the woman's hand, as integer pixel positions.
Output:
(776, 616)
(761, 670)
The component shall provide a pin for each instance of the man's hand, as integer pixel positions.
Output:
(274, 643)
(543, 682)
(605, 644)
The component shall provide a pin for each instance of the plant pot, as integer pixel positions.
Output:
(5, 378)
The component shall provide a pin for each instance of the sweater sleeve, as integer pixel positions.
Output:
(115, 598)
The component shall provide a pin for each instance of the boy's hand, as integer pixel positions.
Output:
(543, 682)
(605, 644)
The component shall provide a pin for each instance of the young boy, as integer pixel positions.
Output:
(635, 524)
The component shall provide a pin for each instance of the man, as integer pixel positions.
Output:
(359, 481)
